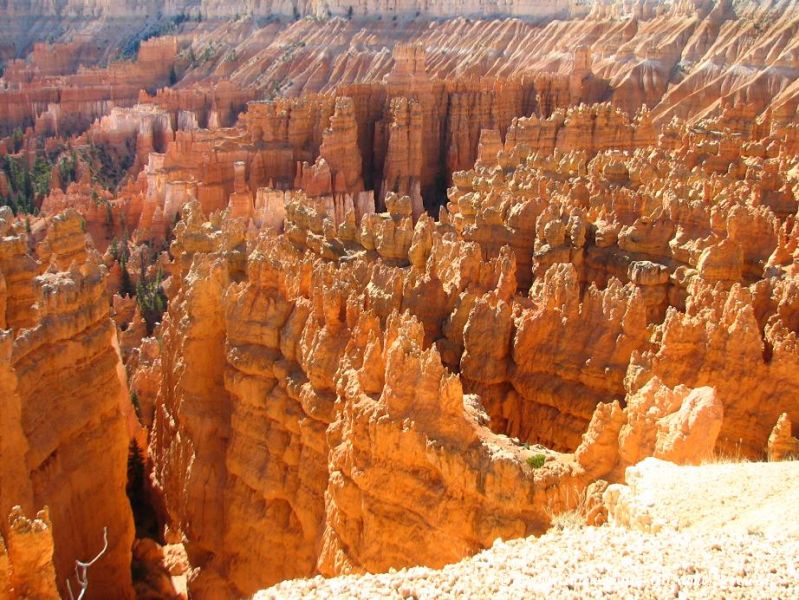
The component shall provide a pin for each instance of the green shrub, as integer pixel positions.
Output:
(68, 169)
(134, 400)
(22, 186)
(108, 168)
(160, 27)
(536, 461)
(151, 298)
(126, 284)
(17, 138)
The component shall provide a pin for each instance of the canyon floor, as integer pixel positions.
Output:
(723, 530)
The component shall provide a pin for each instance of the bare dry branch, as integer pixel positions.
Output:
(82, 570)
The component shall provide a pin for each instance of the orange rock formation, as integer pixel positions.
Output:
(426, 283)
(65, 406)
(26, 557)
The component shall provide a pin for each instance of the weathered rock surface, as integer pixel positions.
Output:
(740, 498)
(65, 410)
(26, 557)
(678, 425)
(427, 282)
(781, 445)
(323, 380)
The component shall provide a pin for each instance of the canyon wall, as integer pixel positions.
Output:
(688, 59)
(69, 103)
(342, 363)
(597, 304)
(65, 404)
(325, 405)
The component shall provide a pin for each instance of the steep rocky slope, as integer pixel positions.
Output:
(312, 383)
(65, 9)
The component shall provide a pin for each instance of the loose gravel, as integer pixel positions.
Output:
(589, 562)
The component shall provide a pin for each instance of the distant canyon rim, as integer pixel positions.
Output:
(321, 287)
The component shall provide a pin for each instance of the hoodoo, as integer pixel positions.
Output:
(352, 299)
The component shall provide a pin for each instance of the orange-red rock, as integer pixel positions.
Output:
(65, 409)
(438, 281)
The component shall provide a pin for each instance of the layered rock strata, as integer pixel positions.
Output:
(345, 356)
(65, 406)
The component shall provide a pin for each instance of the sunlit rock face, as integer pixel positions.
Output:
(65, 408)
(309, 377)
(371, 292)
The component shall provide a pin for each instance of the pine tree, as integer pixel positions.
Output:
(125, 284)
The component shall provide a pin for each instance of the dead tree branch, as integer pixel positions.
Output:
(82, 570)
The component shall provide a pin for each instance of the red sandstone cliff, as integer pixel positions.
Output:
(65, 432)
(343, 383)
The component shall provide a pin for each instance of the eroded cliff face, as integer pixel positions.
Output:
(379, 365)
(377, 375)
(26, 557)
(68, 102)
(335, 417)
(65, 408)
(385, 291)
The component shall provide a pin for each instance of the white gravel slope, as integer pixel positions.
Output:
(588, 562)
(729, 531)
